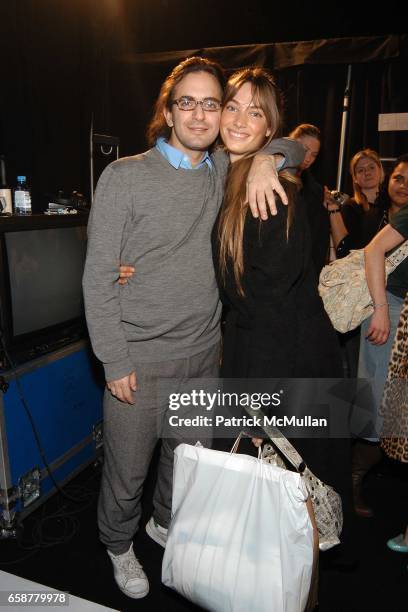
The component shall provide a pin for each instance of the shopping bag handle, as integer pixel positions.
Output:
(235, 446)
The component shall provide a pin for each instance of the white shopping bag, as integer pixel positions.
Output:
(240, 538)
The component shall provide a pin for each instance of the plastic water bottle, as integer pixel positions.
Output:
(22, 197)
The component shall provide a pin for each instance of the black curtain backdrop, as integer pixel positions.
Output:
(46, 95)
(70, 64)
(312, 76)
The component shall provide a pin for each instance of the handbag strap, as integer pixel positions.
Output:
(394, 260)
(282, 443)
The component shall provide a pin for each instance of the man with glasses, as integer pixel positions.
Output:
(156, 211)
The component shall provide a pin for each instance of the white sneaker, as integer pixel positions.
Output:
(156, 532)
(129, 574)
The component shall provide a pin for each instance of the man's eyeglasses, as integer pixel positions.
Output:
(187, 103)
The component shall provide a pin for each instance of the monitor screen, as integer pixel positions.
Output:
(45, 271)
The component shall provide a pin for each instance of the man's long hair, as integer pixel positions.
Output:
(158, 126)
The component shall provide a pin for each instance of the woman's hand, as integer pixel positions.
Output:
(328, 201)
(125, 272)
(379, 328)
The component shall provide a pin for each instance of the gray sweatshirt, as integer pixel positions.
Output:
(158, 219)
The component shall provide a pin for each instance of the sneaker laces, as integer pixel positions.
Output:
(131, 567)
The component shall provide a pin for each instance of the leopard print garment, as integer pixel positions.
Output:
(394, 407)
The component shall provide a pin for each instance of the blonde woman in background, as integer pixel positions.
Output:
(365, 214)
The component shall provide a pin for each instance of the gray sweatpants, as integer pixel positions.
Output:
(131, 433)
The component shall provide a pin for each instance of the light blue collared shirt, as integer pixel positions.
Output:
(178, 159)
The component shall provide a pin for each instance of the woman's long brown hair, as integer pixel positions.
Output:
(235, 208)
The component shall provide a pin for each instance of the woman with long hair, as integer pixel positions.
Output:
(276, 326)
(352, 226)
(264, 267)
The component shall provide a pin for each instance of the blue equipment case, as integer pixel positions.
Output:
(63, 392)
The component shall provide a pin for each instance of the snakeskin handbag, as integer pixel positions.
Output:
(344, 291)
(326, 501)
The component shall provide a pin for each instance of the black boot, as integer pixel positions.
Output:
(364, 456)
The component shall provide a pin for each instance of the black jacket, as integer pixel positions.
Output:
(280, 328)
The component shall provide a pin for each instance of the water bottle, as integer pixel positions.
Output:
(22, 197)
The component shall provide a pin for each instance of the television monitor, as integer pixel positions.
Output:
(41, 261)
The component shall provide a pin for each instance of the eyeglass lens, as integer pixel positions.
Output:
(189, 103)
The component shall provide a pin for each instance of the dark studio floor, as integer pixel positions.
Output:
(370, 578)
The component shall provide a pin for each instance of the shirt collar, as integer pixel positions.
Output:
(178, 159)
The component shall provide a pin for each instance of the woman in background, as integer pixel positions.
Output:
(352, 227)
(378, 332)
(365, 214)
(314, 196)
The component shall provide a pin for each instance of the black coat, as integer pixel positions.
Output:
(318, 219)
(361, 225)
(280, 328)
